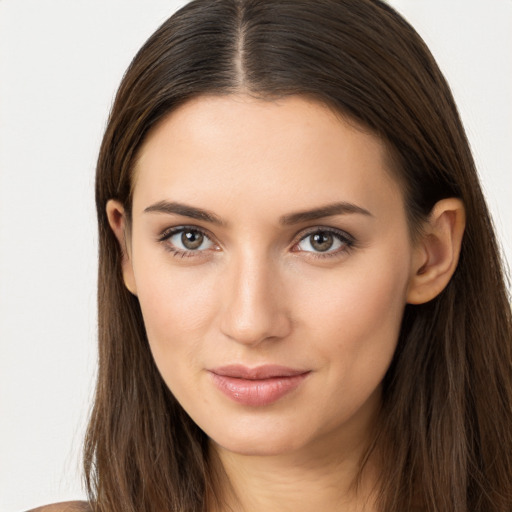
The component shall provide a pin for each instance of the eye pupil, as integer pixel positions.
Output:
(191, 239)
(322, 241)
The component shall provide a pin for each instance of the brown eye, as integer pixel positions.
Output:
(322, 241)
(183, 240)
(192, 240)
(325, 241)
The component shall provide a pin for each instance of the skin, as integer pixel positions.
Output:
(258, 291)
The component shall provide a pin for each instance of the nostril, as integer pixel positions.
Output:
(251, 324)
(254, 305)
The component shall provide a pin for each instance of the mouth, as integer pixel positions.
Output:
(258, 386)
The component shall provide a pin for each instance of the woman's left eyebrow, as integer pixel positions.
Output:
(323, 211)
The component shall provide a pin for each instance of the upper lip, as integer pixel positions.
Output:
(266, 371)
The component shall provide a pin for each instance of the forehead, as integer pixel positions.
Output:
(291, 150)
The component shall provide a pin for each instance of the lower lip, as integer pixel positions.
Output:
(257, 392)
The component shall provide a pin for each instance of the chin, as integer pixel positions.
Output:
(257, 448)
(258, 442)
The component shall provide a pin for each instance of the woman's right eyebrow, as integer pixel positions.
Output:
(173, 207)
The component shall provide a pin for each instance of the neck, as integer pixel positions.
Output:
(315, 478)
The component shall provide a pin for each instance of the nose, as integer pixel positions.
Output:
(255, 306)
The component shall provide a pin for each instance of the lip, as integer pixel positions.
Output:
(258, 386)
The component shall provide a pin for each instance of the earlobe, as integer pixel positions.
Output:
(117, 221)
(437, 252)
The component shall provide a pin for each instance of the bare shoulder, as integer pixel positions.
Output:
(68, 506)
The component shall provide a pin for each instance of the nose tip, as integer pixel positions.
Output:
(256, 329)
(255, 308)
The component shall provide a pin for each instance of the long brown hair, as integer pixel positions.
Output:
(446, 423)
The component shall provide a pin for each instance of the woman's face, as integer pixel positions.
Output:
(270, 253)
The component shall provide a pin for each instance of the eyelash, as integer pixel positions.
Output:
(341, 236)
(179, 253)
(348, 242)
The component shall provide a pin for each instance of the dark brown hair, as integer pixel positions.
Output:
(446, 425)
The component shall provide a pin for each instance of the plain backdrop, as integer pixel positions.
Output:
(60, 64)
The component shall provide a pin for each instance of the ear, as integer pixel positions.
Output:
(436, 253)
(117, 220)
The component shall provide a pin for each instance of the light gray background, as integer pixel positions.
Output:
(60, 64)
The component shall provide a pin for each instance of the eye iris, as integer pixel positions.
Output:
(322, 241)
(192, 239)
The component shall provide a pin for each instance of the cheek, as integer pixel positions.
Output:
(178, 307)
(355, 315)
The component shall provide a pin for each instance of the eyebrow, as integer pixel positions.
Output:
(172, 207)
(323, 211)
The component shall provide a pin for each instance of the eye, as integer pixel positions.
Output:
(326, 241)
(185, 240)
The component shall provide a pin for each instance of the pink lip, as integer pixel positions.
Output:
(257, 386)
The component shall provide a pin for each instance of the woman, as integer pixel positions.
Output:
(301, 303)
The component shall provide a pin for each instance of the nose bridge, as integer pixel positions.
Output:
(254, 303)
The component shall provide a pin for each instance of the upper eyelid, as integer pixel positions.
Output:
(168, 232)
(298, 237)
(319, 229)
(305, 231)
